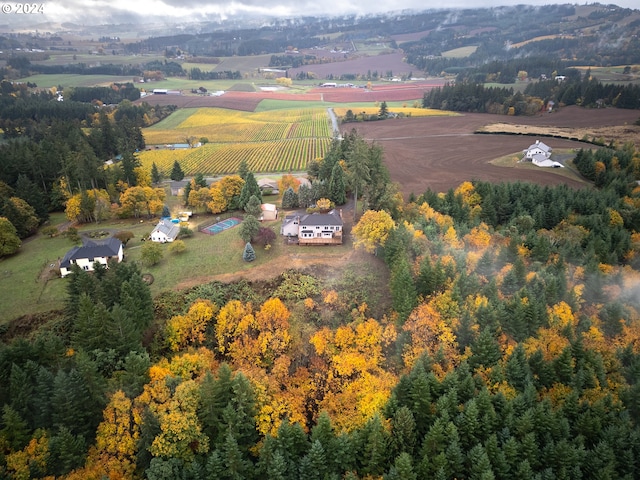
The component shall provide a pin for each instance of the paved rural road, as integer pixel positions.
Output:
(334, 122)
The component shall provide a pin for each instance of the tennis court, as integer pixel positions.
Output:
(221, 226)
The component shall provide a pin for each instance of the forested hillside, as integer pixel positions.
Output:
(505, 344)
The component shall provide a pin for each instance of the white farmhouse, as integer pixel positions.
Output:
(164, 232)
(538, 148)
(314, 228)
(91, 252)
(540, 155)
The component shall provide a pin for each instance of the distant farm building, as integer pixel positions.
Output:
(540, 155)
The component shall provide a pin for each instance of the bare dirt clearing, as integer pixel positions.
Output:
(441, 152)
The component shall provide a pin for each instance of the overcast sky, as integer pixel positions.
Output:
(124, 11)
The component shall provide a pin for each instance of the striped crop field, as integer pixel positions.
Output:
(270, 141)
(282, 155)
(230, 126)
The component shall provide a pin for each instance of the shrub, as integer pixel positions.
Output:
(185, 232)
(124, 236)
(151, 254)
(265, 236)
(50, 231)
(249, 254)
(177, 246)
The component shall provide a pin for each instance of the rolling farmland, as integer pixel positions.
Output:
(274, 141)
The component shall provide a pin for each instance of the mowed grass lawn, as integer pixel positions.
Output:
(25, 289)
(23, 278)
(205, 255)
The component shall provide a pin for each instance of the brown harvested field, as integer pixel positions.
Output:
(382, 63)
(393, 92)
(440, 153)
(248, 101)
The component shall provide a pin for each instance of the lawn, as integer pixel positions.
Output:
(25, 289)
(205, 256)
(23, 279)
(563, 155)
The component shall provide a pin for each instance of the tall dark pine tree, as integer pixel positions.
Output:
(176, 172)
(337, 186)
(156, 176)
(249, 188)
(30, 193)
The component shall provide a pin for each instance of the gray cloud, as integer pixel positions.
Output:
(169, 11)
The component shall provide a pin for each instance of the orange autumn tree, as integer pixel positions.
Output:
(355, 383)
(223, 192)
(430, 333)
(288, 181)
(114, 454)
(250, 339)
(372, 230)
(189, 329)
(273, 327)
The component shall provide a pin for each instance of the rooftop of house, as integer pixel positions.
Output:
(170, 229)
(93, 249)
(542, 146)
(331, 218)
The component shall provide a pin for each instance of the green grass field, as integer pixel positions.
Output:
(70, 80)
(461, 52)
(25, 290)
(23, 276)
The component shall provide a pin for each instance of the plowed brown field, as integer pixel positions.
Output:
(441, 152)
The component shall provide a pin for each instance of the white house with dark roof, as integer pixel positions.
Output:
(165, 231)
(92, 251)
(314, 228)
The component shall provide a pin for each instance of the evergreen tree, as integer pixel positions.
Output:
(403, 291)
(403, 432)
(243, 170)
(486, 350)
(290, 199)
(176, 172)
(517, 369)
(249, 228)
(15, 431)
(253, 207)
(249, 254)
(30, 193)
(156, 176)
(186, 192)
(374, 453)
(384, 110)
(337, 187)
(305, 196)
(67, 451)
(249, 188)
